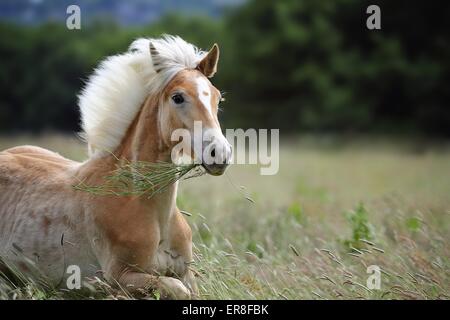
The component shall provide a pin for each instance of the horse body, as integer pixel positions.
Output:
(40, 212)
(137, 242)
(44, 219)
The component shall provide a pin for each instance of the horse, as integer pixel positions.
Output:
(129, 107)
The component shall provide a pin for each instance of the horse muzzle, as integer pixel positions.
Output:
(217, 152)
(215, 169)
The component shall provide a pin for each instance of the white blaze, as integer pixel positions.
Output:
(204, 93)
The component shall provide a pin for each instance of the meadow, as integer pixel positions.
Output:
(309, 232)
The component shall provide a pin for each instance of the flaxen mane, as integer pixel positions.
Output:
(115, 92)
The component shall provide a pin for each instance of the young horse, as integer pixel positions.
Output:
(129, 107)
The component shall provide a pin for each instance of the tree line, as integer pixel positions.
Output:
(297, 65)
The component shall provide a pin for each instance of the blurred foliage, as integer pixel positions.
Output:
(294, 65)
(413, 224)
(361, 228)
(296, 211)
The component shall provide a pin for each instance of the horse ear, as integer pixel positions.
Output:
(156, 58)
(208, 65)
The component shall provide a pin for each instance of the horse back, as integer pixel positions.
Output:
(29, 160)
(37, 207)
(29, 169)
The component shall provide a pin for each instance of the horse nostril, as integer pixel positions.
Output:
(213, 153)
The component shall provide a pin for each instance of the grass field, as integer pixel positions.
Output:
(311, 231)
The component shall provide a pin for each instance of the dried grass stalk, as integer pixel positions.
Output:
(142, 178)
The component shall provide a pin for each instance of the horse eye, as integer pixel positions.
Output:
(177, 98)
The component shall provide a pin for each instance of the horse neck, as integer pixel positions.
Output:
(142, 142)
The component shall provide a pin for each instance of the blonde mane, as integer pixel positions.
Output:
(117, 89)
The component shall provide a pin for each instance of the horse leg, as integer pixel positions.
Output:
(191, 283)
(168, 287)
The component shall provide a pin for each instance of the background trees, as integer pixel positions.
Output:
(294, 65)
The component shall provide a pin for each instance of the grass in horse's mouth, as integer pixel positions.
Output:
(142, 178)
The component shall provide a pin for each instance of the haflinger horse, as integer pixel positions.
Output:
(130, 106)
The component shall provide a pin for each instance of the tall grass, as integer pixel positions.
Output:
(141, 178)
(312, 230)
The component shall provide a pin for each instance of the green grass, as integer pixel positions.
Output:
(143, 179)
(311, 231)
